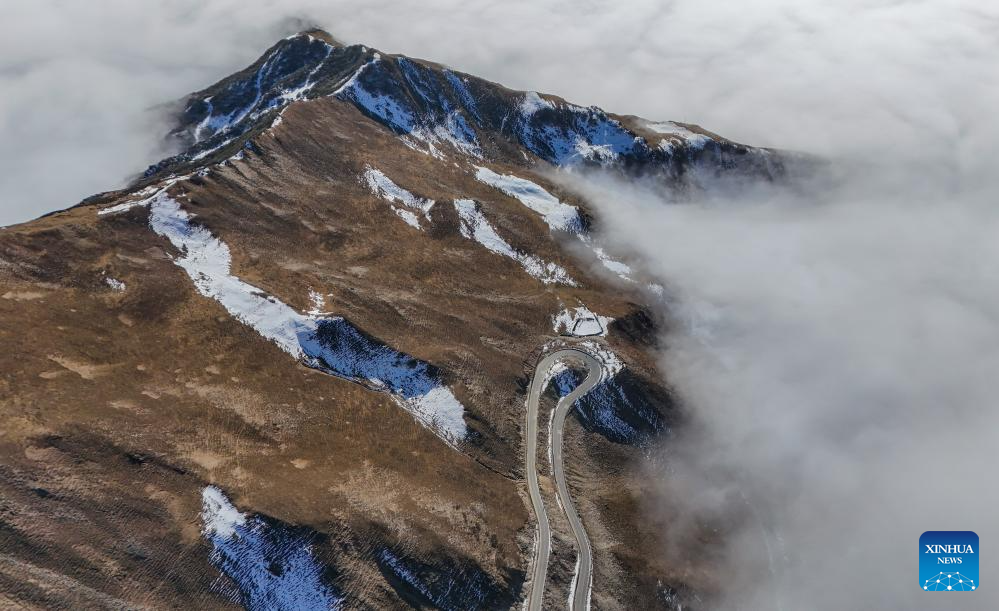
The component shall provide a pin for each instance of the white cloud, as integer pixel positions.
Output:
(837, 342)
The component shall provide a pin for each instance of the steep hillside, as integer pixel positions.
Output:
(287, 367)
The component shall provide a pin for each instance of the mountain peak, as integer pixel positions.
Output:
(319, 34)
(439, 111)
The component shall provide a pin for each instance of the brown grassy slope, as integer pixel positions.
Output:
(93, 377)
(297, 216)
(161, 371)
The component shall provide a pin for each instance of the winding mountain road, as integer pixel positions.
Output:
(579, 598)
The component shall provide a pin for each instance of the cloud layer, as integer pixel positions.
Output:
(836, 343)
(838, 353)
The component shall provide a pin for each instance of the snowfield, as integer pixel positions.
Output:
(474, 226)
(271, 565)
(330, 344)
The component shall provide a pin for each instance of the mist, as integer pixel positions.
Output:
(836, 353)
(834, 340)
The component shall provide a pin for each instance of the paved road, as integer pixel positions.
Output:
(584, 573)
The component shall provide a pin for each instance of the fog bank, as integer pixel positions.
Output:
(836, 343)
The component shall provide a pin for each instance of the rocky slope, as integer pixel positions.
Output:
(286, 368)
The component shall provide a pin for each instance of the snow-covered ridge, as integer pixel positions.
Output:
(671, 128)
(330, 344)
(295, 69)
(474, 226)
(438, 122)
(442, 120)
(269, 88)
(566, 134)
(271, 566)
(436, 111)
(382, 186)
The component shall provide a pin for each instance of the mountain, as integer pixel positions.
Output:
(288, 366)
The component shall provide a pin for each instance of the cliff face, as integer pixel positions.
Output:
(286, 368)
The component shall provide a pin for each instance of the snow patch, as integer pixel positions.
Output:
(218, 515)
(318, 303)
(558, 216)
(351, 81)
(580, 322)
(382, 186)
(474, 226)
(610, 363)
(122, 207)
(460, 87)
(693, 139)
(298, 93)
(621, 270)
(448, 589)
(329, 344)
(383, 106)
(273, 567)
(532, 103)
(408, 217)
(557, 368)
(209, 151)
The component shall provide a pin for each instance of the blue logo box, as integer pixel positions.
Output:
(948, 561)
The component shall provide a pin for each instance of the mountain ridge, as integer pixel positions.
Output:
(396, 93)
(317, 324)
